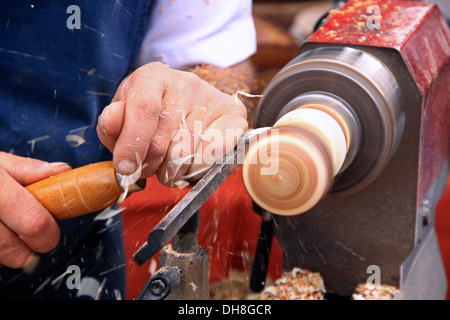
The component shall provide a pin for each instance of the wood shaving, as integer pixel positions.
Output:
(367, 291)
(299, 284)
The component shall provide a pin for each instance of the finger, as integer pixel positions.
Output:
(121, 89)
(178, 158)
(27, 170)
(182, 150)
(110, 124)
(179, 101)
(167, 127)
(142, 94)
(219, 139)
(14, 253)
(26, 217)
(183, 145)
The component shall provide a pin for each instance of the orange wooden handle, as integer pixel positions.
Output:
(79, 191)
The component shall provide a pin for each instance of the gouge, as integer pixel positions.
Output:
(182, 212)
(82, 190)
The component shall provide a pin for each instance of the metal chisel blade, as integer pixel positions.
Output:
(194, 199)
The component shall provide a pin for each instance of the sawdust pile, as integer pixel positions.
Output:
(298, 284)
(367, 291)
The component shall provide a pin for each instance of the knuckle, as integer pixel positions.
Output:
(145, 110)
(149, 70)
(192, 77)
(142, 71)
(190, 80)
(131, 149)
(35, 223)
(154, 66)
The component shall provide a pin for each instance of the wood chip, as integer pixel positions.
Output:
(367, 291)
(299, 284)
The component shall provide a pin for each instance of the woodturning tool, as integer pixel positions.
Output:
(82, 190)
(187, 207)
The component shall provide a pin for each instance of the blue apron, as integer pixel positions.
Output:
(59, 67)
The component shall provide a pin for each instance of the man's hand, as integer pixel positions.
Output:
(176, 123)
(25, 225)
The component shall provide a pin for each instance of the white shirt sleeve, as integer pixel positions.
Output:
(183, 33)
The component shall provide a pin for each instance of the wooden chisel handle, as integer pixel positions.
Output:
(80, 191)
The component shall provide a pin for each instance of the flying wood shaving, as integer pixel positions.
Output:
(182, 184)
(181, 162)
(124, 183)
(77, 137)
(33, 141)
(193, 174)
(74, 140)
(109, 213)
(128, 180)
(124, 194)
(246, 94)
(183, 118)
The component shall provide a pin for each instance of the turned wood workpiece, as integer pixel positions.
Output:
(305, 149)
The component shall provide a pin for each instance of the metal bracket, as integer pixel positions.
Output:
(160, 284)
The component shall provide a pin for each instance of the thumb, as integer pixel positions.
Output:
(27, 170)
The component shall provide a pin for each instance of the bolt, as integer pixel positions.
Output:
(426, 220)
(426, 216)
(157, 287)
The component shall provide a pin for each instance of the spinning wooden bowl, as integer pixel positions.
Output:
(289, 170)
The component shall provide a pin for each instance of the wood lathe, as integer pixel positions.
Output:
(358, 181)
